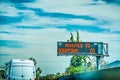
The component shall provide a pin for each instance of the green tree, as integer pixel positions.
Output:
(2, 74)
(38, 72)
(71, 38)
(78, 37)
(78, 63)
(58, 74)
(48, 77)
(34, 60)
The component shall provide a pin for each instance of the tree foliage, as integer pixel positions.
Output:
(38, 70)
(33, 59)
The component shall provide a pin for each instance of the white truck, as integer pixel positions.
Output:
(20, 69)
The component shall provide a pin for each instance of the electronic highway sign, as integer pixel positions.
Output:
(79, 48)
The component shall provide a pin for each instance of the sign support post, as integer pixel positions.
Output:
(98, 62)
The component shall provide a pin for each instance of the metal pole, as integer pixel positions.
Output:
(98, 62)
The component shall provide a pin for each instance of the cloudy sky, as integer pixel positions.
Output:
(31, 28)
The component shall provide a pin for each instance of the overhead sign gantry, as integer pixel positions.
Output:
(98, 49)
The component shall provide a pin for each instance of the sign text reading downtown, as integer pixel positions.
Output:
(79, 48)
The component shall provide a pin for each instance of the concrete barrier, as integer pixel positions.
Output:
(106, 74)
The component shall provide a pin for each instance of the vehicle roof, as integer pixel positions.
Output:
(22, 61)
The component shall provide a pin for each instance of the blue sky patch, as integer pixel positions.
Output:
(8, 19)
(11, 44)
(4, 54)
(116, 32)
(18, 1)
(6, 32)
(115, 41)
(28, 27)
(93, 29)
(113, 1)
(22, 1)
(40, 12)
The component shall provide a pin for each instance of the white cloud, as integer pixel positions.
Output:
(45, 38)
(113, 26)
(53, 22)
(42, 44)
(77, 7)
(8, 10)
(103, 12)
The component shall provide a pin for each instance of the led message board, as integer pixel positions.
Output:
(79, 48)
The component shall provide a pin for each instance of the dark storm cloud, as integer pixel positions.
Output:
(11, 44)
